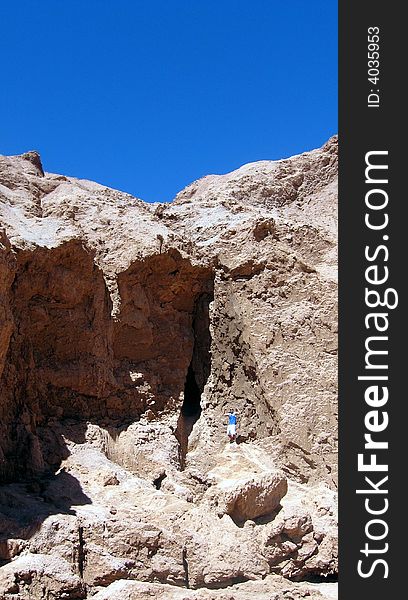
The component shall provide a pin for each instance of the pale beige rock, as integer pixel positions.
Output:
(271, 588)
(255, 497)
(39, 576)
(113, 313)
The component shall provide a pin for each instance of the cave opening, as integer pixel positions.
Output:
(197, 375)
(191, 408)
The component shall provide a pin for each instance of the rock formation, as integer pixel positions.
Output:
(127, 332)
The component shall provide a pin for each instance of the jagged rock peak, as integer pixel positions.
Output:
(35, 159)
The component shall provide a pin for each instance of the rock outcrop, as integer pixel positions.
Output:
(127, 332)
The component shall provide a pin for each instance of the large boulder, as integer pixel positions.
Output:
(256, 497)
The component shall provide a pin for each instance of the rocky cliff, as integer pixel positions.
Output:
(127, 332)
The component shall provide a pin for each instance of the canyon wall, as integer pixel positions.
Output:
(127, 332)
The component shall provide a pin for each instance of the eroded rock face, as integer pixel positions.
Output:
(67, 357)
(127, 332)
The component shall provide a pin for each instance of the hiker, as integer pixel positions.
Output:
(232, 426)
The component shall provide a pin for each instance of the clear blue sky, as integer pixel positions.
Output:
(146, 96)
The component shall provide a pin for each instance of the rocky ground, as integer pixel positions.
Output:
(127, 331)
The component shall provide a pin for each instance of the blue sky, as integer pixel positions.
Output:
(147, 96)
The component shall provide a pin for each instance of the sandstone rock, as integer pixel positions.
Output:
(255, 497)
(39, 576)
(269, 589)
(297, 541)
(295, 526)
(102, 568)
(9, 548)
(218, 553)
(127, 331)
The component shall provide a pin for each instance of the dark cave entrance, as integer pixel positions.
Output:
(191, 408)
(197, 375)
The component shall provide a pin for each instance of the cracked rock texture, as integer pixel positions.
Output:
(127, 332)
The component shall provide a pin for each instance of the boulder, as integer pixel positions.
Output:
(256, 497)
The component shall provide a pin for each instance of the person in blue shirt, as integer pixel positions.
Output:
(232, 426)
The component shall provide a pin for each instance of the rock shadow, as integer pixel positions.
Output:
(25, 506)
(263, 520)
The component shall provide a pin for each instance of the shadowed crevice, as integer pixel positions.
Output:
(197, 375)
